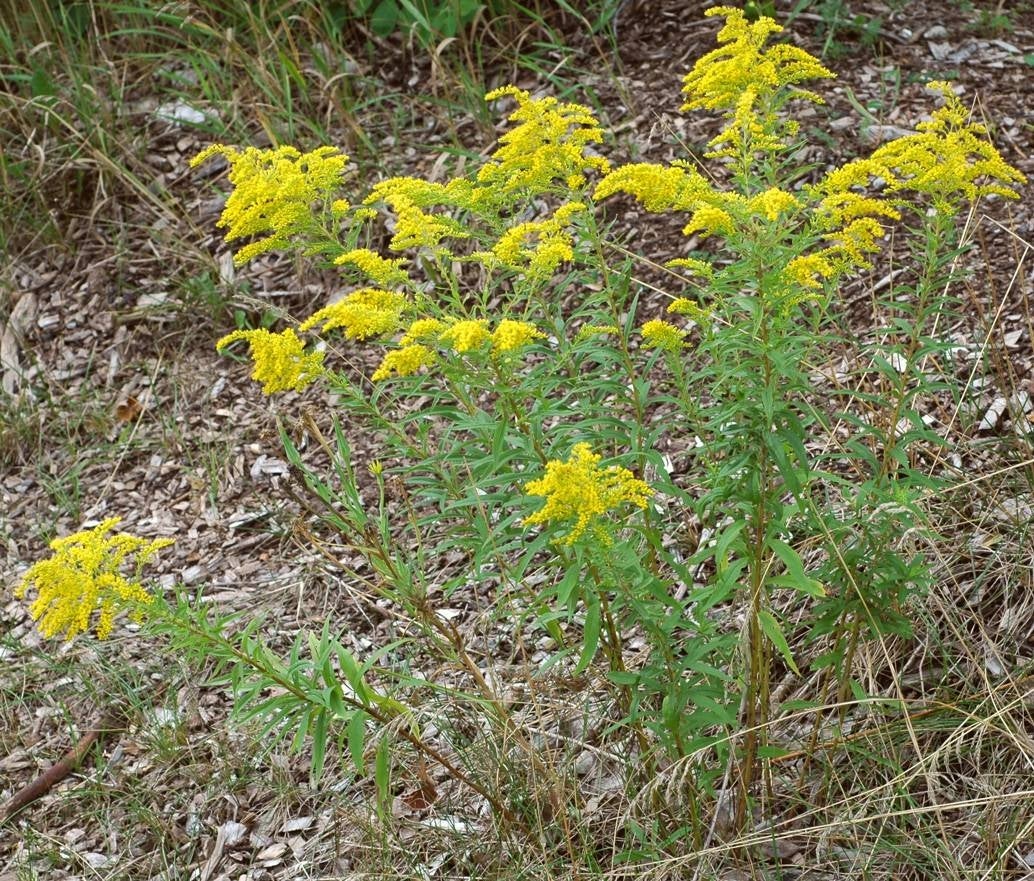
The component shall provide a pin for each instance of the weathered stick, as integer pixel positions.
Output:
(111, 721)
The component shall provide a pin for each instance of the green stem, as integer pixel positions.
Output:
(756, 699)
(616, 660)
(223, 647)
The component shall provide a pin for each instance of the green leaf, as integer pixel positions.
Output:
(778, 453)
(385, 17)
(354, 676)
(336, 701)
(357, 739)
(775, 633)
(796, 578)
(392, 708)
(319, 745)
(857, 691)
(798, 705)
(566, 588)
(725, 541)
(672, 710)
(590, 634)
(382, 773)
(445, 22)
(416, 16)
(548, 622)
(302, 731)
(41, 84)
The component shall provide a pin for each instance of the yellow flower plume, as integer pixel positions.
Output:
(808, 270)
(378, 269)
(83, 577)
(749, 81)
(466, 335)
(274, 192)
(281, 362)
(662, 335)
(404, 362)
(511, 335)
(536, 247)
(580, 490)
(548, 145)
(659, 188)
(423, 330)
(588, 331)
(774, 202)
(950, 159)
(414, 227)
(362, 314)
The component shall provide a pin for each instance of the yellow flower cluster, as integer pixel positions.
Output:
(274, 192)
(466, 335)
(807, 270)
(580, 490)
(83, 576)
(414, 226)
(414, 190)
(661, 335)
(709, 220)
(380, 270)
(659, 188)
(853, 222)
(281, 362)
(361, 314)
(693, 311)
(510, 335)
(460, 336)
(537, 247)
(692, 265)
(423, 330)
(591, 330)
(547, 145)
(404, 362)
(773, 203)
(458, 193)
(853, 243)
(470, 334)
(679, 188)
(950, 159)
(749, 83)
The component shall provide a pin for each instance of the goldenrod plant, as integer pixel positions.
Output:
(524, 398)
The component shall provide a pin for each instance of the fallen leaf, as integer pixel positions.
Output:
(128, 410)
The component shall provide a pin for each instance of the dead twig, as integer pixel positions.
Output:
(110, 722)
